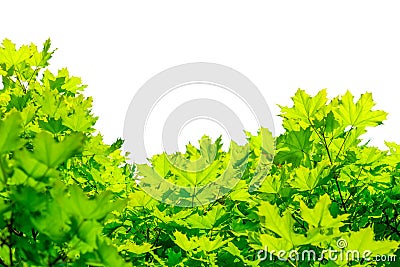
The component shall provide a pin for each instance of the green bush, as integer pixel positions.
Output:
(69, 199)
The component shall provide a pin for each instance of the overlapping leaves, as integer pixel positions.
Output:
(69, 199)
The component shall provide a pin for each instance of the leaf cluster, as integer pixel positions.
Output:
(69, 199)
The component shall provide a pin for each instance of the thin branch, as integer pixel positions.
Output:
(10, 243)
(344, 141)
(17, 71)
(322, 138)
(335, 176)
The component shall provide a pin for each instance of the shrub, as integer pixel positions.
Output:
(69, 199)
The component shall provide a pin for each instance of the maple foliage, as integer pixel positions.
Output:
(69, 199)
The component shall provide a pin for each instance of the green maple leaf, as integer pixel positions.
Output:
(53, 153)
(52, 222)
(209, 220)
(241, 192)
(209, 149)
(234, 250)
(32, 167)
(184, 243)
(73, 85)
(272, 184)
(263, 142)
(52, 104)
(370, 156)
(108, 255)
(89, 231)
(208, 245)
(293, 146)
(320, 216)
(132, 247)
(306, 179)
(180, 179)
(77, 203)
(305, 109)
(141, 199)
(52, 125)
(161, 164)
(363, 240)
(359, 114)
(12, 56)
(159, 188)
(174, 257)
(19, 102)
(272, 244)
(28, 114)
(10, 130)
(79, 121)
(40, 59)
(282, 226)
(188, 172)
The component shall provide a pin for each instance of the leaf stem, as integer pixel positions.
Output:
(335, 176)
(323, 140)
(10, 243)
(344, 141)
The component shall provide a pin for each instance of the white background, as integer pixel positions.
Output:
(116, 46)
